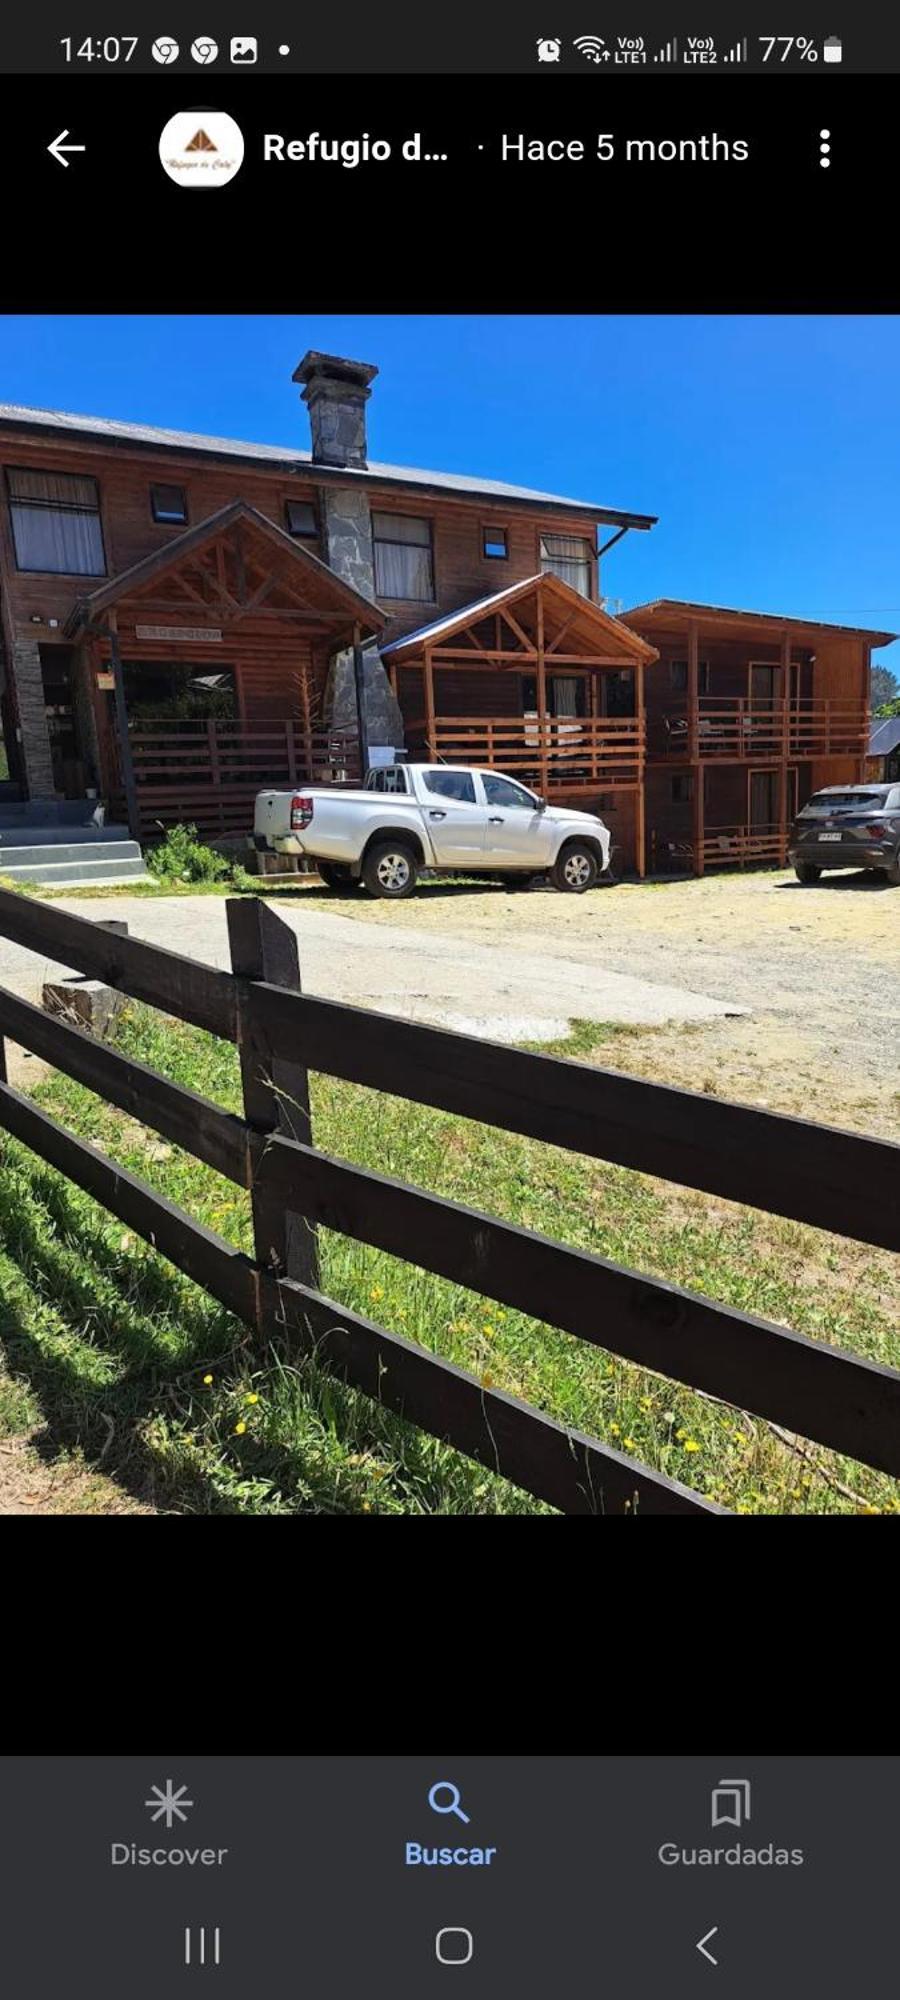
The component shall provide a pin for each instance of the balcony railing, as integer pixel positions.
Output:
(563, 752)
(730, 727)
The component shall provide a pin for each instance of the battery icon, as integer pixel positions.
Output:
(833, 52)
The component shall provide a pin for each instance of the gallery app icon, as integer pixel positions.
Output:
(244, 49)
(201, 149)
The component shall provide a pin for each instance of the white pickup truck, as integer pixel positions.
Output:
(447, 817)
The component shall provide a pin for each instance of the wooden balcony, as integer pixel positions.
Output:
(208, 773)
(562, 754)
(732, 728)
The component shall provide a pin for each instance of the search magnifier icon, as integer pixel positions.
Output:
(453, 1804)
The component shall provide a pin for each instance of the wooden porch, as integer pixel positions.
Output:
(536, 681)
(266, 617)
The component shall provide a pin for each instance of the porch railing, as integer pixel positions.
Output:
(743, 846)
(210, 772)
(733, 726)
(563, 751)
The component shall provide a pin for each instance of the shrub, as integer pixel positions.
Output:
(182, 857)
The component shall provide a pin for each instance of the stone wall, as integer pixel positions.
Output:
(35, 744)
(347, 522)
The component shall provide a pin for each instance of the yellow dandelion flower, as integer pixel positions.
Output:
(377, 1292)
(251, 1397)
(207, 1379)
(367, 1506)
(240, 1428)
(616, 1430)
(487, 1381)
(629, 1444)
(690, 1444)
(487, 1328)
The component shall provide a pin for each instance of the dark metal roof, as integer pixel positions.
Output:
(20, 416)
(885, 736)
(661, 608)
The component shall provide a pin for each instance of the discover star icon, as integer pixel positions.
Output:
(169, 1804)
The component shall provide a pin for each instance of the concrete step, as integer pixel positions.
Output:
(71, 874)
(45, 855)
(26, 835)
(46, 812)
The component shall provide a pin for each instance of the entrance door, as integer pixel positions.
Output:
(517, 834)
(763, 804)
(455, 822)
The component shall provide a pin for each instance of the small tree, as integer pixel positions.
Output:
(885, 688)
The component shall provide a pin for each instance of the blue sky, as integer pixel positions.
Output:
(767, 446)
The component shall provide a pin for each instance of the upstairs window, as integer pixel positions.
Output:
(169, 505)
(571, 559)
(56, 522)
(300, 520)
(494, 543)
(404, 562)
(679, 673)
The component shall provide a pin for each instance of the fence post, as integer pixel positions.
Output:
(263, 946)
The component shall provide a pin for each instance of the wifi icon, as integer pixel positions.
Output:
(592, 47)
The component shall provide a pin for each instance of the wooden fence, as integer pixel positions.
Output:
(814, 1174)
(209, 773)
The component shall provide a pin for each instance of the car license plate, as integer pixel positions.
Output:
(829, 836)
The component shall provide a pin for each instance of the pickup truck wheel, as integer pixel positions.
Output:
(390, 869)
(807, 872)
(335, 877)
(575, 868)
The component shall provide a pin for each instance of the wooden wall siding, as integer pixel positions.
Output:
(461, 570)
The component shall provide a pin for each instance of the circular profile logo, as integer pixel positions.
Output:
(201, 149)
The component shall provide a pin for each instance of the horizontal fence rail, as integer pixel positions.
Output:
(560, 750)
(210, 772)
(815, 1174)
(737, 726)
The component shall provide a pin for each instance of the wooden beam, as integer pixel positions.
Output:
(693, 690)
(197, 993)
(641, 790)
(359, 684)
(542, 692)
(125, 761)
(430, 735)
(275, 1087)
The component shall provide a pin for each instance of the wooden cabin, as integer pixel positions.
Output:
(747, 715)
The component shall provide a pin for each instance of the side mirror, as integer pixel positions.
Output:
(540, 805)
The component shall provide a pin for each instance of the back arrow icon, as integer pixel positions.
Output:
(703, 1942)
(59, 150)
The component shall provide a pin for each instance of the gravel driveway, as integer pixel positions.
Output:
(752, 986)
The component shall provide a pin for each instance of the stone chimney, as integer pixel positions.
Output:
(336, 392)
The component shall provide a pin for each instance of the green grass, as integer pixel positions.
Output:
(115, 1347)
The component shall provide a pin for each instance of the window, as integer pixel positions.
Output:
(566, 695)
(502, 792)
(678, 672)
(169, 504)
(392, 779)
(571, 559)
(300, 519)
(56, 523)
(450, 785)
(404, 566)
(682, 789)
(494, 543)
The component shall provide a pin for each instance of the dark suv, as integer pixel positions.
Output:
(848, 826)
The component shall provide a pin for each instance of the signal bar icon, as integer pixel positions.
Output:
(738, 53)
(669, 53)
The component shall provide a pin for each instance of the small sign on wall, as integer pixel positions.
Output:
(194, 635)
(105, 680)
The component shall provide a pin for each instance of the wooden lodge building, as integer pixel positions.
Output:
(187, 618)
